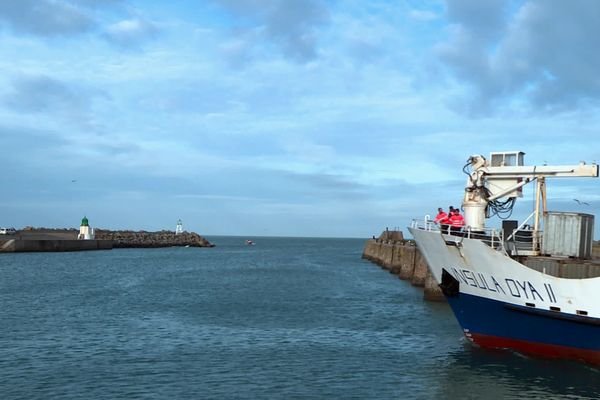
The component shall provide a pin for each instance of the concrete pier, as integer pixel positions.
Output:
(45, 245)
(402, 258)
(420, 270)
(407, 269)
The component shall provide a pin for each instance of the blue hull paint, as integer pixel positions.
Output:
(493, 318)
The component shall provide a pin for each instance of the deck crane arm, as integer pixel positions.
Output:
(487, 181)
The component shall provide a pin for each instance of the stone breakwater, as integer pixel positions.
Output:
(43, 239)
(143, 239)
(402, 258)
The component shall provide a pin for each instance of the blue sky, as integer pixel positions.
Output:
(285, 117)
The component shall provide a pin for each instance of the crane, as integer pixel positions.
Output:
(503, 176)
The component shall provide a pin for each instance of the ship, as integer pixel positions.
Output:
(500, 300)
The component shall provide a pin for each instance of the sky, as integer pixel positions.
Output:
(332, 118)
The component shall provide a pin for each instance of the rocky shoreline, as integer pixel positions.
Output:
(114, 238)
(143, 239)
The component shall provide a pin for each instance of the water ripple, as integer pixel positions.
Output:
(288, 318)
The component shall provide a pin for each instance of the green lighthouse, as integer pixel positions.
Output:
(85, 232)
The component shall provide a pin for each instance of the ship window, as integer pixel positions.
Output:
(510, 160)
(507, 159)
(581, 312)
(530, 304)
(554, 308)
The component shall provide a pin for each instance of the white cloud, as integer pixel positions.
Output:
(423, 15)
(45, 18)
(290, 26)
(537, 56)
(131, 33)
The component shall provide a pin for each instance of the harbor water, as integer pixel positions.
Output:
(285, 318)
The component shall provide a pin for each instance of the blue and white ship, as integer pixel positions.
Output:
(498, 300)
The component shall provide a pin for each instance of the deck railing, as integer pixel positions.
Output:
(520, 241)
(490, 236)
(524, 242)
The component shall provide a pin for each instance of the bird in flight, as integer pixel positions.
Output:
(73, 180)
(581, 202)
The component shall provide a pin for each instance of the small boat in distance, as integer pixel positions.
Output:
(249, 242)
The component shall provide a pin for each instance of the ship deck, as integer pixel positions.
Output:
(560, 267)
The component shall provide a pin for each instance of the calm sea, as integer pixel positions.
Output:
(286, 318)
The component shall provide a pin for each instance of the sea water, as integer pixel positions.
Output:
(286, 318)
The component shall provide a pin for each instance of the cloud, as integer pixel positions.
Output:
(290, 25)
(44, 17)
(43, 94)
(97, 3)
(485, 18)
(15, 139)
(423, 15)
(220, 197)
(320, 186)
(116, 148)
(50, 18)
(40, 93)
(539, 55)
(131, 33)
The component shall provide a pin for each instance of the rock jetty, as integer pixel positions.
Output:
(402, 258)
(32, 239)
(143, 239)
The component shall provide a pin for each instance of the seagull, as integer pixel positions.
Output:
(581, 202)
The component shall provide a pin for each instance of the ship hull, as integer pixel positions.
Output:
(501, 303)
(494, 324)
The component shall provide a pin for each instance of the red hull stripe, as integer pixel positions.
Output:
(539, 349)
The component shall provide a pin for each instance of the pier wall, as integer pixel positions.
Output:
(19, 246)
(402, 258)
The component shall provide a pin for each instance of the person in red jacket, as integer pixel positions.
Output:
(442, 219)
(456, 221)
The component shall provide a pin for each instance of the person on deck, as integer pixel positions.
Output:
(456, 221)
(442, 219)
(441, 216)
